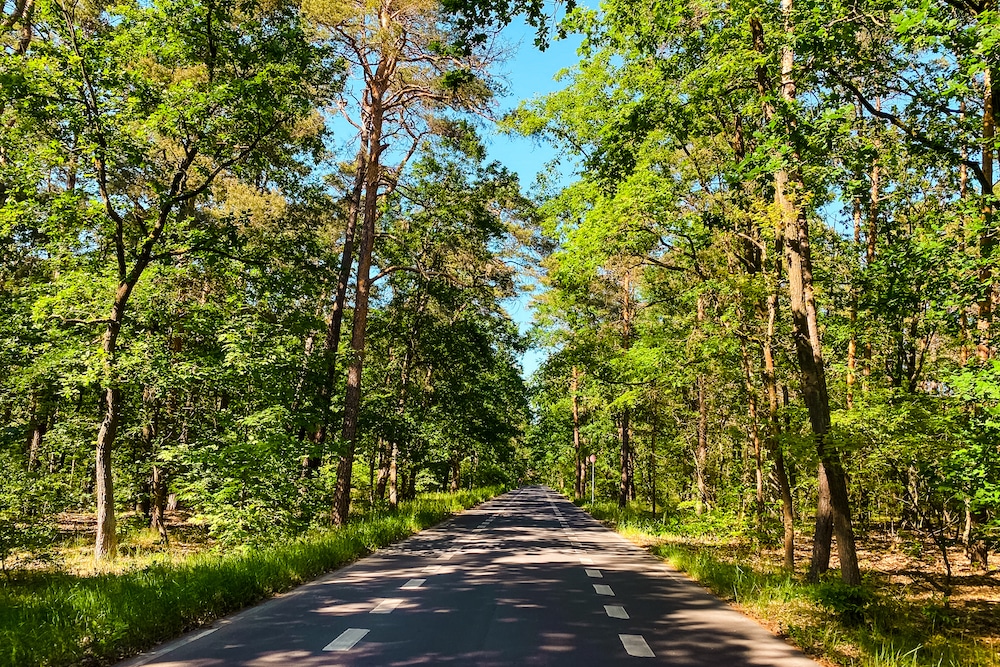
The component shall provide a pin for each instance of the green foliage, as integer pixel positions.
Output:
(851, 604)
(27, 504)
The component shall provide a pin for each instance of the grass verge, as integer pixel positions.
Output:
(57, 619)
(868, 626)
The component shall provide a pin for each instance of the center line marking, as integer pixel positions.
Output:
(347, 639)
(615, 611)
(413, 583)
(594, 574)
(603, 589)
(386, 606)
(636, 646)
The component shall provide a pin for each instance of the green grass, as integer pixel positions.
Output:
(61, 619)
(868, 626)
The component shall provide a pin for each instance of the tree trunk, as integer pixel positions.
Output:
(987, 238)
(106, 543)
(456, 470)
(394, 475)
(701, 449)
(578, 453)
(624, 429)
(158, 507)
(352, 398)
(331, 341)
(36, 432)
(758, 454)
(773, 446)
(852, 342)
(789, 189)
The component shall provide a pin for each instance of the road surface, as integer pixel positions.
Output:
(525, 579)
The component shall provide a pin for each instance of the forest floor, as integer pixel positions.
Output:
(904, 614)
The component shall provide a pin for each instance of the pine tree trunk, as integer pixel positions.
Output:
(987, 238)
(578, 453)
(701, 449)
(331, 341)
(352, 399)
(394, 475)
(624, 429)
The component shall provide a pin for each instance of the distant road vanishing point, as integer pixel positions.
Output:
(525, 579)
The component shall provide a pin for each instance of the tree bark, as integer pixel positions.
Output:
(36, 432)
(158, 507)
(987, 238)
(833, 506)
(578, 453)
(352, 399)
(106, 542)
(755, 440)
(331, 341)
(701, 447)
(772, 443)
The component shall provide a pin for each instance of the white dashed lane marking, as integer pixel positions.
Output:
(594, 574)
(615, 611)
(431, 569)
(586, 561)
(603, 589)
(347, 639)
(413, 583)
(636, 646)
(386, 606)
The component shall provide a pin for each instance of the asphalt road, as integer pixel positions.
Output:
(525, 579)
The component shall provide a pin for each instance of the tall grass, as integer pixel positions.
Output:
(867, 626)
(60, 619)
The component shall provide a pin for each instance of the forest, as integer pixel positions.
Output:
(256, 267)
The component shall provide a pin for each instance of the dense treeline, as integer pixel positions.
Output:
(774, 286)
(195, 195)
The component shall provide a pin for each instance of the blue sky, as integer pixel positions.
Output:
(529, 73)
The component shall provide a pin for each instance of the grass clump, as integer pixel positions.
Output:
(56, 618)
(873, 625)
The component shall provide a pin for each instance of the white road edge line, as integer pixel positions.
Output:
(386, 606)
(594, 574)
(413, 583)
(173, 646)
(636, 646)
(347, 639)
(615, 611)
(603, 589)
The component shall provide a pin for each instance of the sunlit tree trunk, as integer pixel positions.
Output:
(578, 453)
(833, 512)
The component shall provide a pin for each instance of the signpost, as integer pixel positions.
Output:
(593, 460)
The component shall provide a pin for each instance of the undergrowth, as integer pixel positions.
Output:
(55, 618)
(863, 626)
